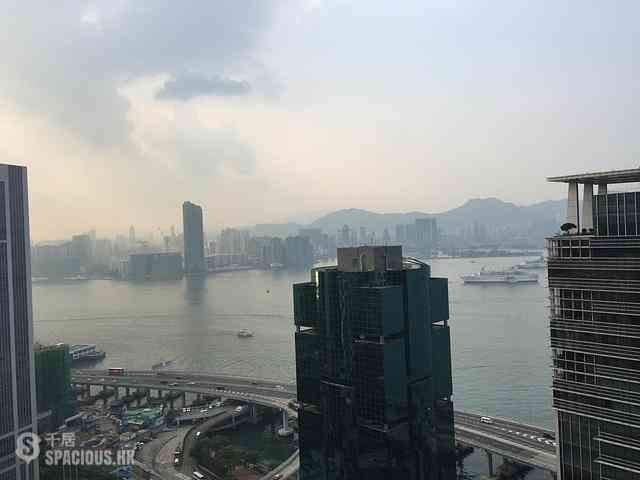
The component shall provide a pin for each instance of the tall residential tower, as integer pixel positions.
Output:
(594, 292)
(193, 238)
(18, 411)
(373, 366)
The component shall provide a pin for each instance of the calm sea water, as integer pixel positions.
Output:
(501, 357)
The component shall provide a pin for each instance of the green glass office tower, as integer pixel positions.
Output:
(373, 364)
(53, 385)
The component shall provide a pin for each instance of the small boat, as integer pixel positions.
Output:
(276, 266)
(244, 333)
(538, 263)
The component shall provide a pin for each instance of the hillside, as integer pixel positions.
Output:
(535, 220)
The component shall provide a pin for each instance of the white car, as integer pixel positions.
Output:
(488, 420)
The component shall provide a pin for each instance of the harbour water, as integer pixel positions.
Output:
(500, 340)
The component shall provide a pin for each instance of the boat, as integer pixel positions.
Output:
(85, 353)
(276, 266)
(532, 264)
(509, 276)
(161, 365)
(244, 333)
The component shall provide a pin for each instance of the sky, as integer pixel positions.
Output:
(263, 111)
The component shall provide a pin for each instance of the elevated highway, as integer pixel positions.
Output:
(530, 445)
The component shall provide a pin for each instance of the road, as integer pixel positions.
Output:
(528, 444)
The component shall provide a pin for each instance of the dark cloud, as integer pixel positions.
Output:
(187, 86)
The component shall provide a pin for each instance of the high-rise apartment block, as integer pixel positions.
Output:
(373, 365)
(193, 239)
(594, 291)
(18, 412)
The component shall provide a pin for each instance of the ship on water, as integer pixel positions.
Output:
(85, 353)
(536, 264)
(509, 276)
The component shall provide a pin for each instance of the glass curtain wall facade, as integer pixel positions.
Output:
(193, 238)
(373, 364)
(594, 288)
(18, 413)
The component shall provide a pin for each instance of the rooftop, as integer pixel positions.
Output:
(611, 176)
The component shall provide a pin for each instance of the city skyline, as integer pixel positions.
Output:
(122, 112)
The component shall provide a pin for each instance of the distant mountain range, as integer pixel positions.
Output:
(492, 213)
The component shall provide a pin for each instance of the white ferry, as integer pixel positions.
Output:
(510, 276)
(85, 353)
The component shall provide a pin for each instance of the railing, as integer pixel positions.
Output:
(595, 327)
(283, 466)
(608, 285)
(601, 413)
(598, 391)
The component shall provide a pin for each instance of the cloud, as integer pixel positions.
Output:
(70, 61)
(190, 85)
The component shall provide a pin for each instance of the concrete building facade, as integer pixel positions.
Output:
(594, 292)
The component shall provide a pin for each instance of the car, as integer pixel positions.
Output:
(255, 383)
(174, 384)
(217, 404)
(191, 383)
(279, 387)
(204, 410)
(163, 382)
(239, 409)
(220, 387)
(548, 436)
(488, 420)
(277, 476)
(198, 434)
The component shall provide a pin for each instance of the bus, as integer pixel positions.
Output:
(116, 371)
(197, 475)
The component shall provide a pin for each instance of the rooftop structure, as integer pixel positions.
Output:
(601, 178)
(605, 207)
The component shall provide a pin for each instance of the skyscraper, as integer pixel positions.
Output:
(594, 292)
(193, 238)
(373, 368)
(18, 411)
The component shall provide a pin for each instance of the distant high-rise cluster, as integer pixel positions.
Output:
(373, 369)
(18, 411)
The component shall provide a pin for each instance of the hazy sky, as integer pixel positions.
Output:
(263, 110)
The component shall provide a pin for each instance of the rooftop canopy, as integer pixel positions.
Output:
(612, 176)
